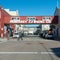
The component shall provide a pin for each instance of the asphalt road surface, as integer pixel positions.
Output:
(30, 48)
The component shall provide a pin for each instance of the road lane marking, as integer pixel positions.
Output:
(29, 52)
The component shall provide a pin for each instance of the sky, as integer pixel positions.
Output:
(31, 7)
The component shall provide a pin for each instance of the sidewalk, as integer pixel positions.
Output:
(3, 39)
(24, 39)
(57, 39)
(28, 39)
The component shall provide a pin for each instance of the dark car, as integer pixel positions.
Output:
(46, 34)
(49, 35)
(43, 33)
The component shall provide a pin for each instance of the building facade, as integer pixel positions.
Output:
(7, 18)
(12, 13)
(57, 13)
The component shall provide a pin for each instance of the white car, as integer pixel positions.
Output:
(16, 35)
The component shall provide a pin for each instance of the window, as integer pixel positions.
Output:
(31, 18)
(46, 18)
(49, 17)
(15, 18)
(43, 18)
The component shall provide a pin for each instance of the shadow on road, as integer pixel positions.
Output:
(56, 51)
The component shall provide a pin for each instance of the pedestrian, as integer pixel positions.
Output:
(7, 34)
(20, 36)
(5, 31)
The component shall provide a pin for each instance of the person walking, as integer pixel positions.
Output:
(20, 36)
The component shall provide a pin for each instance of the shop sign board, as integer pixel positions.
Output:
(31, 20)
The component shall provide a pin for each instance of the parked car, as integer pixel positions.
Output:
(49, 35)
(43, 33)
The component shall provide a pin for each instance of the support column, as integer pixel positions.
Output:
(1, 23)
(1, 31)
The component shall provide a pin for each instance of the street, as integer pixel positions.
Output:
(30, 48)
